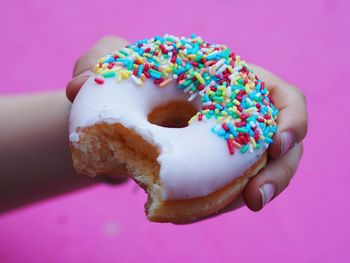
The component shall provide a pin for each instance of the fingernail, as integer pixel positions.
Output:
(267, 192)
(287, 141)
(83, 74)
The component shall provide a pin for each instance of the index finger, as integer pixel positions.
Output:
(292, 118)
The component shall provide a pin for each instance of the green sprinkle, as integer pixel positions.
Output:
(109, 74)
(244, 148)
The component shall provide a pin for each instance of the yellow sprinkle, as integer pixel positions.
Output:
(210, 50)
(238, 112)
(236, 144)
(231, 137)
(96, 69)
(192, 119)
(249, 111)
(168, 69)
(101, 59)
(206, 111)
(119, 54)
(212, 70)
(224, 113)
(221, 88)
(216, 111)
(191, 56)
(236, 102)
(124, 74)
(230, 69)
(199, 77)
(165, 82)
(139, 59)
(252, 141)
(119, 78)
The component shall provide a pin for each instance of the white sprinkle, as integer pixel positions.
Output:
(250, 147)
(193, 96)
(74, 137)
(220, 63)
(228, 91)
(136, 80)
(221, 69)
(188, 88)
(252, 124)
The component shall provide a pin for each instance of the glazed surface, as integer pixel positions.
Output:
(194, 161)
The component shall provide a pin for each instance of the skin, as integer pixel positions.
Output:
(292, 118)
(35, 158)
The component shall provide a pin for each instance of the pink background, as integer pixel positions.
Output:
(306, 42)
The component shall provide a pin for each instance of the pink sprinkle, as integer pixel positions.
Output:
(99, 81)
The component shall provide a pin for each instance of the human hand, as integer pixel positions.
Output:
(286, 150)
(284, 153)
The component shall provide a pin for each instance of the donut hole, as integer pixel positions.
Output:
(175, 114)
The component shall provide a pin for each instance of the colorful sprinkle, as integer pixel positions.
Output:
(230, 92)
(99, 81)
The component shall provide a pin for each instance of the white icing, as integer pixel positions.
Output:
(194, 161)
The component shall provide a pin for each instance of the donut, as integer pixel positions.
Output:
(187, 120)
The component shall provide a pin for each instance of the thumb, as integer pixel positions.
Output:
(84, 65)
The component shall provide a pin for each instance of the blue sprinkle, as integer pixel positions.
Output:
(110, 59)
(218, 106)
(205, 98)
(154, 75)
(188, 65)
(268, 140)
(212, 56)
(221, 132)
(178, 61)
(232, 129)
(139, 72)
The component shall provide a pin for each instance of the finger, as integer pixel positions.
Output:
(75, 84)
(86, 63)
(292, 117)
(272, 180)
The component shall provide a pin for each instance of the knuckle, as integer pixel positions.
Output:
(288, 173)
(87, 61)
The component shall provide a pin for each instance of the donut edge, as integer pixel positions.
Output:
(97, 153)
(191, 210)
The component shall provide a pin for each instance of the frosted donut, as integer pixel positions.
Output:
(186, 119)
